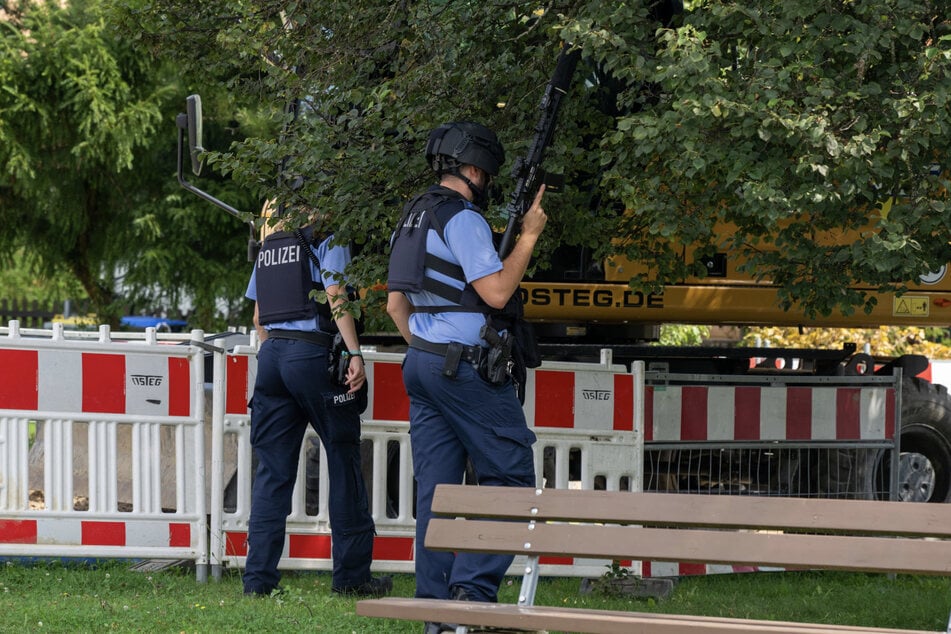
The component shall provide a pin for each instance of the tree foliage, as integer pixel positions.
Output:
(87, 186)
(370, 81)
(792, 122)
(806, 136)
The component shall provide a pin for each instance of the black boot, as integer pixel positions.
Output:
(455, 594)
(375, 587)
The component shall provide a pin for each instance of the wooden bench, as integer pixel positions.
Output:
(857, 535)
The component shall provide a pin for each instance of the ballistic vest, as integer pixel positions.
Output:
(410, 262)
(284, 282)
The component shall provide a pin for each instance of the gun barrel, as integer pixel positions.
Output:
(525, 171)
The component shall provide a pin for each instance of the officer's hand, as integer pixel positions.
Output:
(356, 374)
(535, 218)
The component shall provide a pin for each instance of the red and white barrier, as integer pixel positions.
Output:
(154, 535)
(308, 535)
(57, 380)
(118, 453)
(107, 412)
(939, 373)
(686, 413)
(562, 395)
(571, 423)
(580, 398)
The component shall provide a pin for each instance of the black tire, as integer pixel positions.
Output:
(846, 473)
(925, 464)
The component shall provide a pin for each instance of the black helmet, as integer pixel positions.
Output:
(464, 143)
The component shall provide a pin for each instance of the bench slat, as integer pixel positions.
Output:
(789, 533)
(797, 550)
(819, 515)
(585, 620)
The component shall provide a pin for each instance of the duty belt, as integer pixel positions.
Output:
(320, 338)
(454, 353)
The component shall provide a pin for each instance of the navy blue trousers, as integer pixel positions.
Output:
(452, 419)
(289, 392)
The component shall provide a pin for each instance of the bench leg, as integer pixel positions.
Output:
(526, 595)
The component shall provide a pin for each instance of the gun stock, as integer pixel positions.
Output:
(527, 171)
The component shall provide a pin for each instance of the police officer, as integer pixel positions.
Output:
(446, 286)
(293, 387)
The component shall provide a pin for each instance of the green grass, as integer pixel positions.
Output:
(56, 597)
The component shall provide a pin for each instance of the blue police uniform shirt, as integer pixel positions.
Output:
(469, 245)
(333, 261)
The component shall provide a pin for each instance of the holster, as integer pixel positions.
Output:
(496, 365)
(338, 361)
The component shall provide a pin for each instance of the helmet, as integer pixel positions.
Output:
(464, 143)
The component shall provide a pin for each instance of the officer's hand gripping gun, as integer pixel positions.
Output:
(527, 171)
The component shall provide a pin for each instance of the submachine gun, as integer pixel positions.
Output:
(527, 170)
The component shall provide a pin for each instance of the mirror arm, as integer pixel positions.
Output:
(182, 122)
